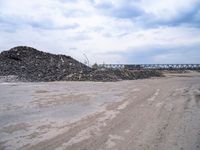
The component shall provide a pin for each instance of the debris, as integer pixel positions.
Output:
(29, 64)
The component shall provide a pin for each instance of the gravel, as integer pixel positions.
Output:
(29, 64)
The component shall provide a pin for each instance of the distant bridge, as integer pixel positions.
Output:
(153, 66)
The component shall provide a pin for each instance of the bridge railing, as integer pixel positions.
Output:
(153, 66)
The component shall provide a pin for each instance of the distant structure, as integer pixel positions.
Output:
(153, 66)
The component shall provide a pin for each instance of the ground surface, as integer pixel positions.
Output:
(150, 114)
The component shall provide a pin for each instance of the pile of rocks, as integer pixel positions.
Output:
(136, 74)
(10, 78)
(29, 64)
(95, 75)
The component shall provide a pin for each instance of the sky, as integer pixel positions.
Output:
(105, 31)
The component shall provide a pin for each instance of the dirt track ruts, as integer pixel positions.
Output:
(151, 114)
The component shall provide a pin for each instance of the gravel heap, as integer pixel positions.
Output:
(116, 75)
(28, 64)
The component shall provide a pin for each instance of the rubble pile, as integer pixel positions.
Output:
(95, 75)
(136, 74)
(29, 64)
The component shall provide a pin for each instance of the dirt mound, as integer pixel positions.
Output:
(115, 75)
(136, 74)
(29, 64)
(95, 75)
(32, 65)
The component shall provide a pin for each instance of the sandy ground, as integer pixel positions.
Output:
(151, 114)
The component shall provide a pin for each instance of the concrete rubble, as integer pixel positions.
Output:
(29, 64)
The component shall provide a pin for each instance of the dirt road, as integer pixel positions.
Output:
(151, 114)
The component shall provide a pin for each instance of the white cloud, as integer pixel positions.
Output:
(76, 27)
(167, 9)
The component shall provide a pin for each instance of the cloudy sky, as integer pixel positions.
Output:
(109, 31)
